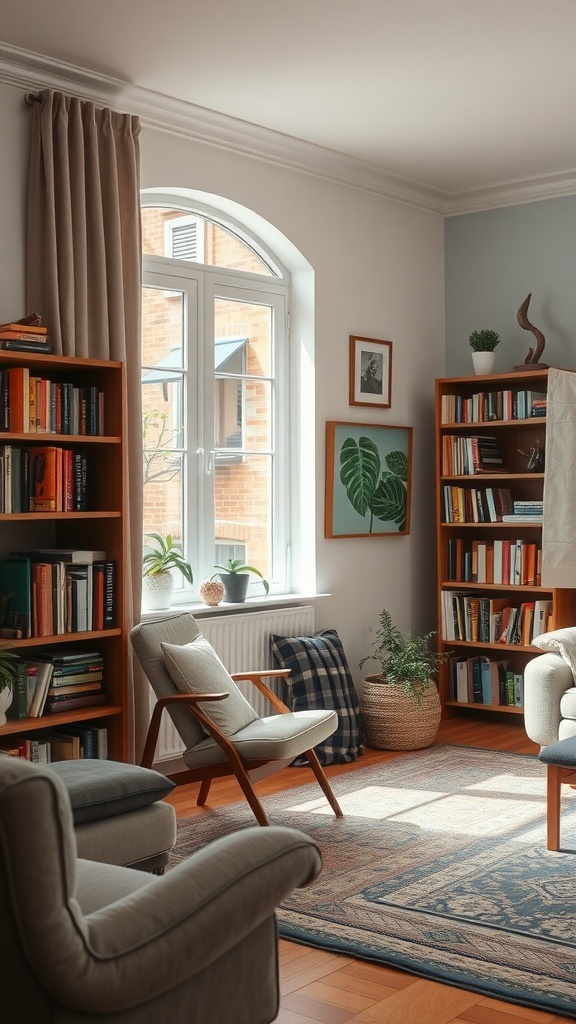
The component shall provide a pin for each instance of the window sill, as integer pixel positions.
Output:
(252, 604)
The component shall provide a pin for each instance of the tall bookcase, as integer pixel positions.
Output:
(486, 565)
(101, 527)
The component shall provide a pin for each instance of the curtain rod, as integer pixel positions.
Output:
(33, 97)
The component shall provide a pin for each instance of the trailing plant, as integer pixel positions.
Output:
(382, 493)
(484, 341)
(164, 556)
(7, 666)
(235, 566)
(405, 660)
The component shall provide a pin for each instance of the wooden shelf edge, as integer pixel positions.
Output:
(26, 725)
(506, 709)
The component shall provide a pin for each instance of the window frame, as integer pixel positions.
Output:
(212, 283)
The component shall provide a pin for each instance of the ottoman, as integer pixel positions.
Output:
(560, 759)
(119, 814)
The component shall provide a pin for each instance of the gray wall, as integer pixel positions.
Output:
(493, 260)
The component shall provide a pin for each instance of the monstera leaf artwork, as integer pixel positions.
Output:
(370, 476)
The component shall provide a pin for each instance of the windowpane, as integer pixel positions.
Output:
(178, 235)
(243, 337)
(243, 414)
(162, 328)
(163, 490)
(243, 508)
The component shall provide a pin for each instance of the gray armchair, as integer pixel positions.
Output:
(91, 942)
(221, 731)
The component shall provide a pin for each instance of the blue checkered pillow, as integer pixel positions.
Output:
(320, 678)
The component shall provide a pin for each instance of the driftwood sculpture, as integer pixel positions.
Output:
(532, 361)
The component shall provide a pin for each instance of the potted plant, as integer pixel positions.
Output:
(235, 576)
(483, 344)
(400, 705)
(7, 675)
(158, 560)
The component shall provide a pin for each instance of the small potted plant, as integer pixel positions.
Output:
(159, 558)
(483, 344)
(235, 576)
(7, 675)
(400, 705)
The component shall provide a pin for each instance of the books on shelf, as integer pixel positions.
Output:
(43, 479)
(488, 406)
(480, 679)
(470, 456)
(59, 744)
(50, 592)
(38, 405)
(501, 561)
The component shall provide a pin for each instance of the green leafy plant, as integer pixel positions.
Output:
(484, 341)
(369, 489)
(235, 566)
(163, 556)
(7, 666)
(405, 660)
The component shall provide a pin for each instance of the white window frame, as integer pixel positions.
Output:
(211, 283)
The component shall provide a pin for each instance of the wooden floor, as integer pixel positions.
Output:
(326, 988)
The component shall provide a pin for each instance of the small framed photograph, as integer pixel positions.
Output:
(370, 372)
(368, 476)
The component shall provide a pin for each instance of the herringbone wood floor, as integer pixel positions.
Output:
(326, 988)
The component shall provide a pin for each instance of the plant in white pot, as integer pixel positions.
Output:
(157, 578)
(483, 344)
(7, 675)
(236, 576)
(400, 705)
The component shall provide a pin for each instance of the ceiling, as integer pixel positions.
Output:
(459, 95)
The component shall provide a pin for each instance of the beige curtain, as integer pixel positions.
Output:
(84, 276)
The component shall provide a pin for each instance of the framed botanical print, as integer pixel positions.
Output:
(370, 372)
(368, 479)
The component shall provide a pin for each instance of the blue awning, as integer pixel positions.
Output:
(224, 349)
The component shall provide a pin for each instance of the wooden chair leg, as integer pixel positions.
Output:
(249, 792)
(204, 790)
(553, 799)
(323, 782)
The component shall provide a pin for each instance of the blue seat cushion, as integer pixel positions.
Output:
(100, 789)
(562, 753)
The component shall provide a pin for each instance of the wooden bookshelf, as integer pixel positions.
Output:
(101, 527)
(473, 538)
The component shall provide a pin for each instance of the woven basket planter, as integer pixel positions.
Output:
(393, 721)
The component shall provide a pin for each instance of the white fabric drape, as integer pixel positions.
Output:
(559, 527)
(84, 275)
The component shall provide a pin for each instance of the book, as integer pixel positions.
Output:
(15, 598)
(43, 676)
(47, 479)
(63, 746)
(75, 702)
(27, 325)
(19, 705)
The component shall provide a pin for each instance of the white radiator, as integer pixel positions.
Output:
(242, 642)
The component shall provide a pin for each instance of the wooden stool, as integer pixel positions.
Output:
(560, 759)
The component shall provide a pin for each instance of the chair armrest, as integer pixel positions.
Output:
(166, 932)
(546, 679)
(191, 700)
(257, 679)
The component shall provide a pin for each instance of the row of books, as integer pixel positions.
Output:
(493, 620)
(467, 456)
(502, 562)
(26, 335)
(66, 744)
(53, 591)
(476, 504)
(482, 680)
(48, 683)
(488, 406)
(38, 405)
(45, 479)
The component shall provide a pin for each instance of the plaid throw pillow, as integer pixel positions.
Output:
(320, 678)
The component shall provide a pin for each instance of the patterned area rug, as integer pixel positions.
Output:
(439, 867)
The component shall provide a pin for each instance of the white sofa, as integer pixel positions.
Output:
(549, 699)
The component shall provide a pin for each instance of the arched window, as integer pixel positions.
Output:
(215, 393)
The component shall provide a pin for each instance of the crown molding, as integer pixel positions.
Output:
(32, 71)
(512, 193)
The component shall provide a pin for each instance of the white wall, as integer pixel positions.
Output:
(379, 273)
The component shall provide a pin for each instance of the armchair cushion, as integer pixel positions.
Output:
(563, 642)
(100, 789)
(320, 678)
(196, 668)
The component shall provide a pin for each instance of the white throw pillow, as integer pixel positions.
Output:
(196, 668)
(562, 642)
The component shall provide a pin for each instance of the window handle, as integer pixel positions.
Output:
(207, 459)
